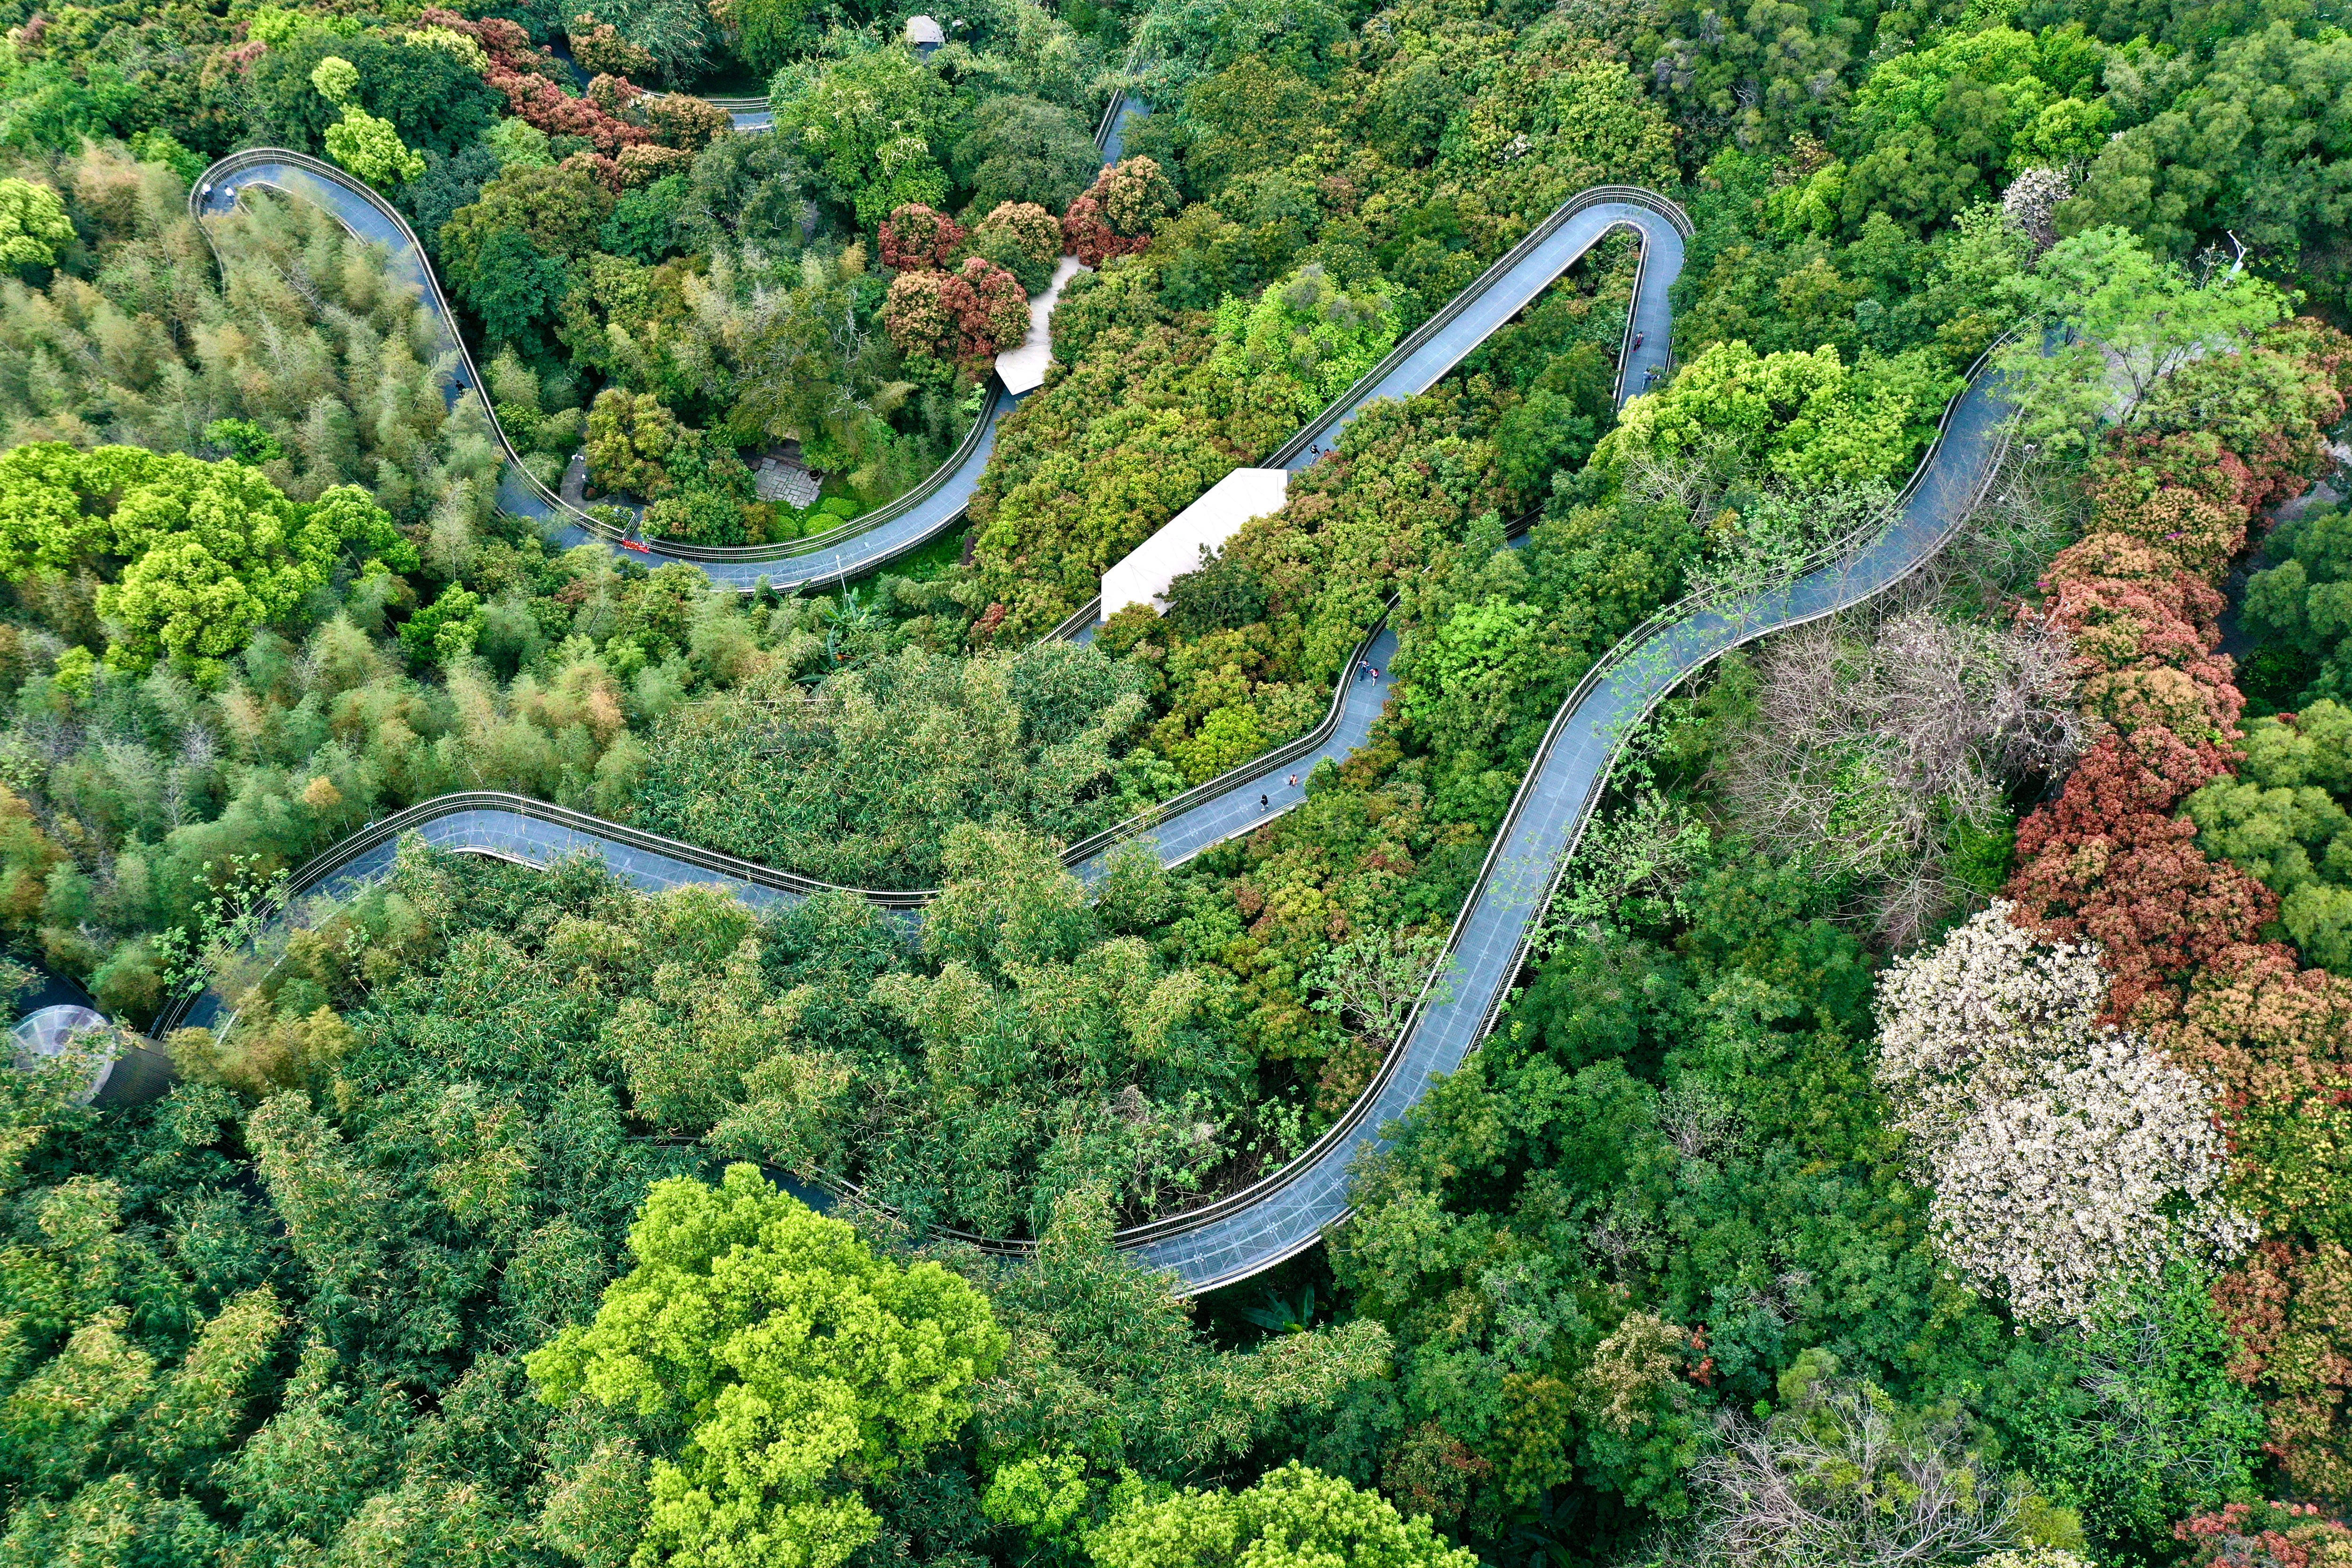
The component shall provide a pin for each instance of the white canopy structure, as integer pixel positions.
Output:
(924, 33)
(122, 1068)
(1142, 578)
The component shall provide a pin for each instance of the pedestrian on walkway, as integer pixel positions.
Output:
(1294, 781)
(1262, 804)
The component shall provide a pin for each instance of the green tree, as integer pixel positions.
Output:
(516, 291)
(1935, 131)
(1022, 150)
(1307, 332)
(1805, 419)
(212, 551)
(367, 146)
(33, 225)
(2129, 321)
(769, 33)
(1293, 1518)
(2252, 140)
(873, 125)
(792, 1364)
(2301, 607)
(2283, 818)
(561, 210)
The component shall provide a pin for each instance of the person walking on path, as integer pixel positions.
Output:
(1262, 804)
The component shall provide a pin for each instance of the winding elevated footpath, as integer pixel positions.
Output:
(1283, 1214)
(934, 506)
(859, 546)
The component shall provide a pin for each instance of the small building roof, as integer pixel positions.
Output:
(924, 32)
(1142, 577)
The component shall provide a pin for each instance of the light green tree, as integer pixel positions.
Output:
(1306, 329)
(2119, 322)
(1294, 1517)
(1807, 420)
(791, 1360)
(211, 549)
(33, 225)
(871, 123)
(366, 145)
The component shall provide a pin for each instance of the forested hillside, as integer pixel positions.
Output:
(1912, 1136)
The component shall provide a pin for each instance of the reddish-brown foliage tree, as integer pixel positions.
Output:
(645, 162)
(688, 124)
(1037, 232)
(2290, 1308)
(917, 240)
(599, 47)
(2141, 640)
(1116, 215)
(992, 307)
(527, 77)
(2119, 607)
(2266, 1535)
(2108, 863)
(967, 316)
(917, 317)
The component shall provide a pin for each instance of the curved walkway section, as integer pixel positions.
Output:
(859, 546)
(934, 506)
(1256, 1229)
(1284, 1214)
(1510, 285)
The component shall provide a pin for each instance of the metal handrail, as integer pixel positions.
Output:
(1450, 311)
(782, 550)
(1475, 289)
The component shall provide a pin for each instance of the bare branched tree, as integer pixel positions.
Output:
(1844, 1474)
(1873, 740)
(2033, 507)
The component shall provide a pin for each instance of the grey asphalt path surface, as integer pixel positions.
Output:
(1506, 296)
(906, 525)
(1237, 811)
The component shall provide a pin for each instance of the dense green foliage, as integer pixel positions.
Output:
(879, 1370)
(474, 1231)
(2283, 819)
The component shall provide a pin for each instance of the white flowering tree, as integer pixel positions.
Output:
(2066, 1156)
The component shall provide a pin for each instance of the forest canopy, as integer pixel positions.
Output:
(1911, 1134)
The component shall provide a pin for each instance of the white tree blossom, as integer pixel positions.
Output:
(2031, 204)
(2066, 1156)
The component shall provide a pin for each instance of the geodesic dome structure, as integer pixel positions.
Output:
(124, 1070)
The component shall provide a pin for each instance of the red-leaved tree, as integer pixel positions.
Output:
(2109, 863)
(968, 316)
(1115, 216)
(917, 240)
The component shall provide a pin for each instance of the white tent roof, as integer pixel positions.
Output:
(922, 30)
(1142, 578)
